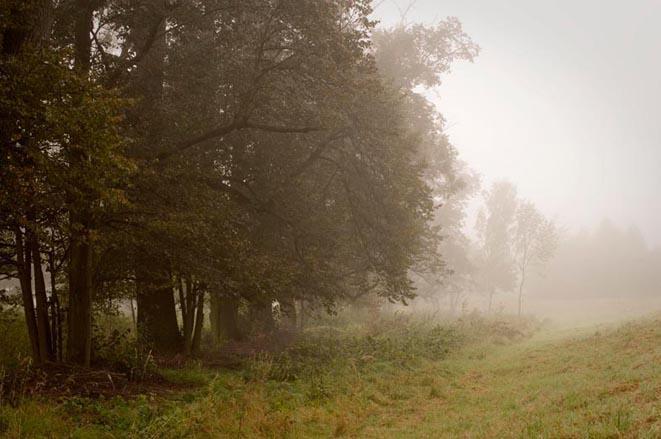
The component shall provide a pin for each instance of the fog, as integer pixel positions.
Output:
(563, 101)
(337, 218)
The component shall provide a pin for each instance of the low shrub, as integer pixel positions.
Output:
(397, 339)
(118, 349)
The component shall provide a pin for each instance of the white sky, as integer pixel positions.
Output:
(564, 101)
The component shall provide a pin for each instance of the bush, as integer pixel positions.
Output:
(498, 329)
(117, 348)
(398, 339)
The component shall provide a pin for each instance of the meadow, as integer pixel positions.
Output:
(397, 376)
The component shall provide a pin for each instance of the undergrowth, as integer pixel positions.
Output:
(333, 375)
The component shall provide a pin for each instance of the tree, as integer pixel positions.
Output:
(603, 262)
(62, 157)
(495, 228)
(534, 242)
(410, 57)
(460, 269)
(456, 246)
(417, 55)
(251, 149)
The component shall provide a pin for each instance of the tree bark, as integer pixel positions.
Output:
(133, 319)
(43, 323)
(23, 259)
(289, 315)
(79, 318)
(199, 322)
(29, 22)
(229, 318)
(224, 317)
(82, 31)
(188, 313)
(185, 312)
(182, 300)
(56, 319)
(214, 316)
(261, 315)
(79, 321)
(523, 279)
(27, 25)
(157, 314)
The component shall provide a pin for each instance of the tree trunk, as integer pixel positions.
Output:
(491, 293)
(79, 318)
(82, 31)
(261, 315)
(288, 314)
(30, 23)
(79, 321)
(199, 322)
(24, 262)
(224, 317)
(56, 319)
(43, 323)
(29, 26)
(185, 313)
(188, 313)
(214, 317)
(133, 320)
(157, 314)
(182, 301)
(229, 318)
(521, 294)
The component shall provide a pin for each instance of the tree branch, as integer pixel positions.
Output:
(226, 129)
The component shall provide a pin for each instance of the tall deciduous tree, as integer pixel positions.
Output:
(534, 242)
(63, 155)
(257, 148)
(495, 228)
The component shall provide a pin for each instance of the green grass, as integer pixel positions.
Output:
(395, 379)
(607, 384)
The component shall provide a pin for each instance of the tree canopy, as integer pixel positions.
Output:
(177, 153)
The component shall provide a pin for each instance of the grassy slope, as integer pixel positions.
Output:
(596, 384)
(605, 384)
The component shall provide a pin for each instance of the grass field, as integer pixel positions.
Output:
(395, 380)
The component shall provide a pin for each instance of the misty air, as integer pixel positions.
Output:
(330, 218)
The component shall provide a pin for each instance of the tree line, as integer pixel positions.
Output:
(204, 159)
(512, 244)
(604, 262)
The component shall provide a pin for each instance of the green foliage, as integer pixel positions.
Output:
(264, 149)
(133, 359)
(192, 375)
(325, 353)
(16, 366)
(416, 55)
(53, 116)
(15, 344)
(116, 347)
